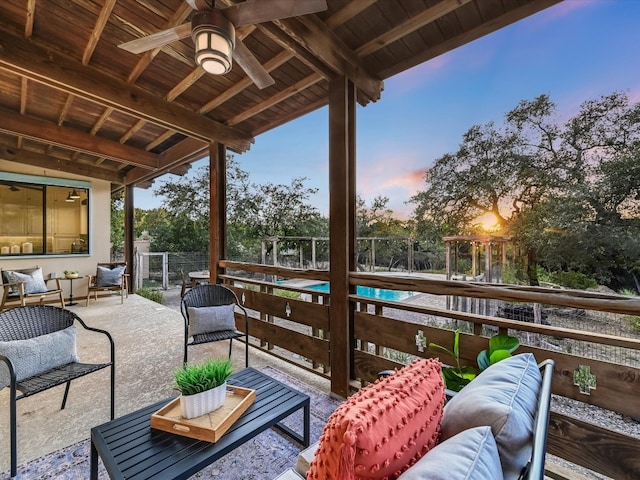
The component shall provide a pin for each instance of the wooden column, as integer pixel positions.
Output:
(128, 234)
(217, 208)
(342, 230)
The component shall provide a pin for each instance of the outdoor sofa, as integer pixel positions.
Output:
(494, 429)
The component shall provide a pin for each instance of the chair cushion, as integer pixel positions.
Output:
(504, 397)
(384, 428)
(32, 278)
(469, 455)
(38, 354)
(109, 277)
(211, 319)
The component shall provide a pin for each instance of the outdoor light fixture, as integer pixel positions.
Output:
(214, 38)
(74, 194)
(69, 198)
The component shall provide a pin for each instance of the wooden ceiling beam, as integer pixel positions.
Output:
(427, 16)
(48, 132)
(178, 18)
(468, 36)
(187, 151)
(27, 157)
(277, 98)
(105, 13)
(31, 14)
(23, 57)
(275, 62)
(316, 37)
(297, 50)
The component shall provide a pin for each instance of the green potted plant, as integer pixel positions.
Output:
(71, 273)
(501, 346)
(203, 386)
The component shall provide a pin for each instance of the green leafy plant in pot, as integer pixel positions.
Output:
(203, 386)
(501, 346)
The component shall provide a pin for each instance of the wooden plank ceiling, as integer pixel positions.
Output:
(71, 100)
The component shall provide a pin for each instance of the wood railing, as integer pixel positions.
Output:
(387, 334)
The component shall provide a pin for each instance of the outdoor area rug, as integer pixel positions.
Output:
(262, 458)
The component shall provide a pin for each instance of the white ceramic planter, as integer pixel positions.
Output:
(192, 406)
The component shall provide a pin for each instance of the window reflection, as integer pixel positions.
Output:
(43, 219)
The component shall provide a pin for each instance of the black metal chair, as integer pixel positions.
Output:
(29, 322)
(213, 295)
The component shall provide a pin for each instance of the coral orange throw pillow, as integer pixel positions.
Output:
(384, 428)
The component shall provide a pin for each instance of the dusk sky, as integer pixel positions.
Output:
(575, 51)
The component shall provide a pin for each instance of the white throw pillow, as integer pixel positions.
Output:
(33, 280)
(504, 397)
(211, 319)
(38, 354)
(469, 455)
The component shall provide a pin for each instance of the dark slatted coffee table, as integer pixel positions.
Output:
(131, 449)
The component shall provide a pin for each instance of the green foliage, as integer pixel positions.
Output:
(287, 294)
(117, 222)
(196, 378)
(152, 294)
(500, 347)
(456, 377)
(254, 211)
(567, 193)
(574, 280)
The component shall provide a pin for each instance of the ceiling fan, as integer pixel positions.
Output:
(213, 33)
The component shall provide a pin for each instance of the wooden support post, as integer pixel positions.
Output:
(128, 234)
(341, 226)
(217, 208)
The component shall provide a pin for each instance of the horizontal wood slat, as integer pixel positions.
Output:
(596, 448)
(313, 348)
(617, 385)
(305, 313)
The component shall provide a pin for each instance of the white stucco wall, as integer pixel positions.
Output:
(99, 229)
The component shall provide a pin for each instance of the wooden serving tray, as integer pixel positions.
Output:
(209, 427)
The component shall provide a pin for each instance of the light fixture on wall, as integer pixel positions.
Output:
(214, 38)
(69, 198)
(75, 195)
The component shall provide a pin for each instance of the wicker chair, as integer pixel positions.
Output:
(32, 325)
(212, 295)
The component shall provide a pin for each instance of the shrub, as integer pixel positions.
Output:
(574, 280)
(151, 294)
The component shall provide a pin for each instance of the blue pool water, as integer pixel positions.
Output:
(377, 293)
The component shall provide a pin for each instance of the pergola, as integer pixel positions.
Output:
(73, 101)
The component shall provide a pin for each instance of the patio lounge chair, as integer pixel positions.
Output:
(209, 316)
(38, 352)
(109, 277)
(26, 285)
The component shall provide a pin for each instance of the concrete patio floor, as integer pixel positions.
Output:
(148, 340)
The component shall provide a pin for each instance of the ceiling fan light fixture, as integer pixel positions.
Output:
(214, 38)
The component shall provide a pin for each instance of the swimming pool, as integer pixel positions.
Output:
(377, 293)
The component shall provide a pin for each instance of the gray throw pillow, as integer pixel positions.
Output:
(469, 455)
(109, 277)
(33, 280)
(504, 397)
(37, 355)
(211, 319)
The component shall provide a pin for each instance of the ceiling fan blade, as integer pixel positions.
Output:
(251, 66)
(258, 11)
(157, 40)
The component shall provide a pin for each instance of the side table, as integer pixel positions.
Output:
(71, 279)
